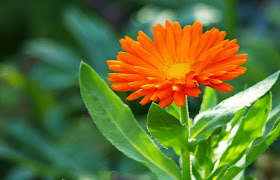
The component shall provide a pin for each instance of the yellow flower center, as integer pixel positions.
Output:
(178, 70)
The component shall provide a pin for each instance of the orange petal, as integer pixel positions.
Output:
(160, 42)
(146, 56)
(133, 60)
(126, 45)
(164, 93)
(164, 85)
(219, 73)
(154, 97)
(228, 53)
(228, 76)
(127, 77)
(151, 48)
(143, 35)
(196, 30)
(202, 43)
(137, 84)
(185, 43)
(215, 81)
(220, 38)
(133, 96)
(230, 44)
(191, 83)
(214, 33)
(179, 98)
(205, 83)
(192, 92)
(165, 102)
(178, 38)
(170, 40)
(146, 71)
(122, 86)
(222, 87)
(146, 99)
(204, 76)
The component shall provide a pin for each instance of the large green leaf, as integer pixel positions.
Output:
(254, 151)
(167, 129)
(209, 99)
(251, 127)
(207, 121)
(117, 123)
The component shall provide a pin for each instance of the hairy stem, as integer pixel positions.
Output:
(186, 160)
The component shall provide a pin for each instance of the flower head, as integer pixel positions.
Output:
(175, 63)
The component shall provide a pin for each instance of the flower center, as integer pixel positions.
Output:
(178, 70)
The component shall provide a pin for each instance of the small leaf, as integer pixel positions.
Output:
(167, 129)
(207, 121)
(209, 99)
(117, 123)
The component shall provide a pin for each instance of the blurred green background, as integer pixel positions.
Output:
(45, 130)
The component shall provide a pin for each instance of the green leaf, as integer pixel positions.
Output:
(272, 117)
(252, 153)
(207, 121)
(53, 54)
(203, 160)
(209, 99)
(38, 167)
(97, 39)
(238, 117)
(167, 129)
(117, 123)
(224, 133)
(251, 127)
(174, 110)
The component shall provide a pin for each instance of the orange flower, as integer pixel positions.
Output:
(175, 64)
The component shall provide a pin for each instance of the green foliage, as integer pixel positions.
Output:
(219, 116)
(167, 129)
(173, 110)
(209, 99)
(250, 128)
(245, 138)
(37, 153)
(46, 132)
(118, 125)
(97, 39)
(262, 143)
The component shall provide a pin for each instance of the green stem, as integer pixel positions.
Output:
(186, 160)
(186, 165)
(184, 114)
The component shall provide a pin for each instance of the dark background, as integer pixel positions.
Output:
(45, 130)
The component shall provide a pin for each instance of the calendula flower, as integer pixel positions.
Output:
(175, 63)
